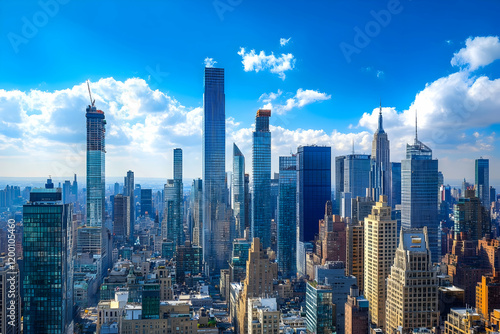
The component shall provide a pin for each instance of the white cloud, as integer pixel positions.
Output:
(478, 52)
(209, 62)
(299, 100)
(260, 62)
(284, 41)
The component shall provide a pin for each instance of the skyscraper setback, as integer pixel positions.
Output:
(261, 168)
(215, 248)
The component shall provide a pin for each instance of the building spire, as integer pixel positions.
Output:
(380, 126)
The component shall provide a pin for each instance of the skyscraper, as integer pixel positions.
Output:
(412, 286)
(395, 184)
(47, 252)
(483, 181)
(147, 203)
(128, 190)
(238, 191)
(356, 179)
(380, 246)
(178, 164)
(261, 168)
(419, 187)
(287, 217)
(339, 182)
(215, 247)
(197, 211)
(121, 222)
(313, 191)
(471, 217)
(380, 169)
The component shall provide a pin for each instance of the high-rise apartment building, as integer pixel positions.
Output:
(419, 189)
(355, 252)
(380, 246)
(261, 177)
(215, 224)
(472, 220)
(121, 223)
(197, 212)
(48, 263)
(238, 193)
(482, 183)
(287, 217)
(412, 286)
(128, 190)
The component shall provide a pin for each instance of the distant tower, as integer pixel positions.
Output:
(261, 168)
(173, 228)
(483, 181)
(380, 171)
(238, 192)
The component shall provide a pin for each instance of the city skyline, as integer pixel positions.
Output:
(152, 109)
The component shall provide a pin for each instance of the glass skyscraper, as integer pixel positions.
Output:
(48, 273)
(287, 216)
(419, 186)
(483, 181)
(238, 192)
(339, 181)
(314, 183)
(128, 190)
(261, 168)
(172, 216)
(215, 223)
(352, 180)
(197, 211)
(178, 164)
(395, 198)
(380, 169)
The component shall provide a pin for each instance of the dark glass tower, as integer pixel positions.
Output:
(483, 181)
(48, 273)
(238, 191)
(380, 169)
(261, 168)
(395, 184)
(287, 217)
(128, 190)
(419, 186)
(173, 203)
(216, 251)
(146, 202)
(314, 174)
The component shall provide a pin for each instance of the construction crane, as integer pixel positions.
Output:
(92, 102)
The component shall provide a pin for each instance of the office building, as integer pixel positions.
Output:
(313, 191)
(471, 218)
(215, 255)
(482, 183)
(147, 203)
(355, 252)
(395, 184)
(197, 211)
(189, 261)
(356, 313)
(287, 217)
(380, 246)
(419, 188)
(239, 257)
(356, 176)
(48, 270)
(121, 222)
(128, 190)
(261, 178)
(488, 294)
(412, 286)
(380, 165)
(464, 321)
(238, 193)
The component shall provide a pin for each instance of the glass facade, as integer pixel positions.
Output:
(483, 181)
(238, 191)
(178, 164)
(419, 187)
(261, 168)
(147, 203)
(396, 184)
(287, 216)
(128, 190)
(339, 181)
(320, 311)
(48, 273)
(215, 246)
(197, 211)
(313, 188)
(357, 174)
(172, 216)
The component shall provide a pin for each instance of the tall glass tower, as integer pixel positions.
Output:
(173, 203)
(380, 171)
(261, 168)
(95, 166)
(48, 270)
(419, 185)
(128, 190)
(483, 181)
(314, 186)
(238, 191)
(216, 250)
(287, 216)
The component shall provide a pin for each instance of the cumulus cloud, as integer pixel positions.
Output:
(284, 41)
(209, 62)
(299, 100)
(253, 61)
(478, 52)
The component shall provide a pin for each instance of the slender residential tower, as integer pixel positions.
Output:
(238, 192)
(261, 167)
(380, 171)
(215, 225)
(483, 181)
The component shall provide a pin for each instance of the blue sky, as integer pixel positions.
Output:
(131, 49)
